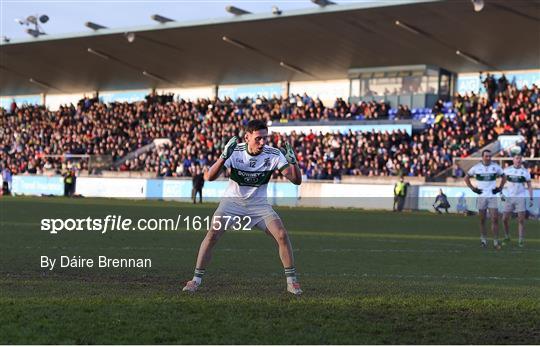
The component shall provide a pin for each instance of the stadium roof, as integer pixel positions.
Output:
(316, 44)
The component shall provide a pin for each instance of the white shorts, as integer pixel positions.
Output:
(238, 214)
(515, 204)
(483, 203)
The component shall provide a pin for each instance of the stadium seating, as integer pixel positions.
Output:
(198, 130)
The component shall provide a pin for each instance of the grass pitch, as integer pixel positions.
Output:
(368, 277)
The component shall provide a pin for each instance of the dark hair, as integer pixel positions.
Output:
(485, 151)
(254, 125)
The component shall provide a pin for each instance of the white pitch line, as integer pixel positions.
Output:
(428, 276)
(359, 250)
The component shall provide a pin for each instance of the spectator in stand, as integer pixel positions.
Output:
(403, 112)
(457, 171)
(502, 84)
(491, 86)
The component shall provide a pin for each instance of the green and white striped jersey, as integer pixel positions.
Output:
(517, 178)
(486, 177)
(251, 174)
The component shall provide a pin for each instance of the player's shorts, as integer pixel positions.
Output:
(238, 214)
(483, 203)
(515, 204)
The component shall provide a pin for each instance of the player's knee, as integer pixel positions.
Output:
(282, 236)
(212, 236)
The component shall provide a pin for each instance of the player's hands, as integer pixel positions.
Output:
(531, 202)
(477, 190)
(288, 152)
(229, 148)
(496, 190)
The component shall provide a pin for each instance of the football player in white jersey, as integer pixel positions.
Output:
(251, 166)
(515, 197)
(486, 174)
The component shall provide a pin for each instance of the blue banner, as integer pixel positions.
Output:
(38, 185)
(213, 191)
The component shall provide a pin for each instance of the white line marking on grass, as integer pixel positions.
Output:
(433, 251)
(428, 276)
(385, 235)
(360, 250)
(496, 278)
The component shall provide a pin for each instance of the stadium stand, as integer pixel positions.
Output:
(198, 130)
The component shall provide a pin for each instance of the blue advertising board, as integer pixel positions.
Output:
(280, 193)
(38, 185)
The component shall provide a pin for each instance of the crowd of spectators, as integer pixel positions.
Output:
(32, 135)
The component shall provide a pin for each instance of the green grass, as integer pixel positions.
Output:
(370, 277)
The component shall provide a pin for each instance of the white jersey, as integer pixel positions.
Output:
(517, 179)
(250, 174)
(486, 177)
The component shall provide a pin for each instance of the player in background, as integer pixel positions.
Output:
(515, 197)
(486, 174)
(252, 164)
